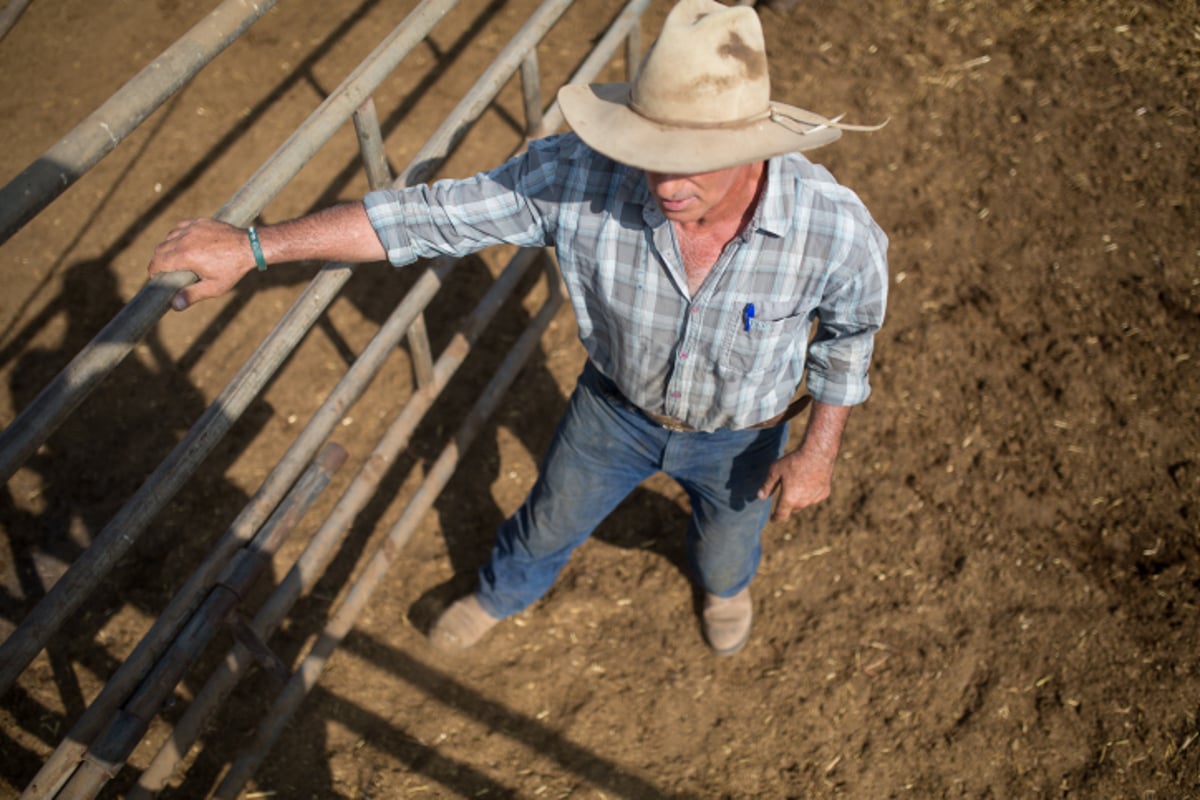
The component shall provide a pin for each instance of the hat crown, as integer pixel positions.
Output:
(707, 69)
(702, 101)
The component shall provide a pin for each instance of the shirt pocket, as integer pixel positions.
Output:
(770, 345)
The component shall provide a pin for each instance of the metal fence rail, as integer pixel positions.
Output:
(118, 338)
(100, 357)
(95, 137)
(98, 743)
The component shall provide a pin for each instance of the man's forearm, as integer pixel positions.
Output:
(823, 436)
(805, 475)
(220, 254)
(339, 233)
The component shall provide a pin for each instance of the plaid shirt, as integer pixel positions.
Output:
(810, 253)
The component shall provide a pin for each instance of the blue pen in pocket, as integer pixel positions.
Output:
(747, 315)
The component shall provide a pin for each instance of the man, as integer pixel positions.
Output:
(698, 248)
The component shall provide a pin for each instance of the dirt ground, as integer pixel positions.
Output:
(999, 600)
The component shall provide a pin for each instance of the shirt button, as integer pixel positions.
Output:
(675, 395)
(695, 311)
(683, 355)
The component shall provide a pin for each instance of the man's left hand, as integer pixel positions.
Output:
(804, 479)
(805, 475)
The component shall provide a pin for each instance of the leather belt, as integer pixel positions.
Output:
(679, 426)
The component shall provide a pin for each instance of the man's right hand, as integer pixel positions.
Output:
(218, 253)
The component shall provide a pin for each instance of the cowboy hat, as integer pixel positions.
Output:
(701, 101)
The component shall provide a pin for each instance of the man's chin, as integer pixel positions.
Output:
(683, 212)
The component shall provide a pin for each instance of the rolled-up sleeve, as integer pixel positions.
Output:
(850, 313)
(459, 217)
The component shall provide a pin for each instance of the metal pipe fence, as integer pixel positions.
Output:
(313, 561)
(118, 338)
(96, 746)
(110, 347)
(80, 150)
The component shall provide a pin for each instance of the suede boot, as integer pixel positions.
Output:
(727, 621)
(461, 626)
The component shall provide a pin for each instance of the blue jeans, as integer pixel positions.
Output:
(602, 450)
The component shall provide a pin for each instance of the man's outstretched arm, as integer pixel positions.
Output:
(220, 254)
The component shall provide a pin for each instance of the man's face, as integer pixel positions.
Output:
(705, 195)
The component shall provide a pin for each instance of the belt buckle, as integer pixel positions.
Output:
(669, 423)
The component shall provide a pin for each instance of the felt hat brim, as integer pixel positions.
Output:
(601, 115)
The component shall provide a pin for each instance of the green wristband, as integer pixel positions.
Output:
(256, 246)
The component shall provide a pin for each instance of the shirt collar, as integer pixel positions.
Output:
(651, 214)
(776, 206)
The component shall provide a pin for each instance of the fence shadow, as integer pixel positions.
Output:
(84, 473)
(100, 455)
(464, 780)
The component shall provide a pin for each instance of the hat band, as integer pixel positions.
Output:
(792, 122)
(701, 126)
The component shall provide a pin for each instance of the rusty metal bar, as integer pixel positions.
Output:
(623, 26)
(312, 563)
(370, 145)
(379, 175)
(531, 93)
(81, 149)
(306, 676)
(108, 755)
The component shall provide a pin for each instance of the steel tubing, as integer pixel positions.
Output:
(11, 13)
(24, 643)
(306, 676)
(531, 93)
(379, 176)
(25, 434)
(370, 145)
(465, 109)
(122, 531)
(97, 359)
(81, 149)
(481, 95)
(108, 755)
(116, 538)
(633, 52)
(301, 451)
(312, 563)
(625, 25)
(328, 117)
